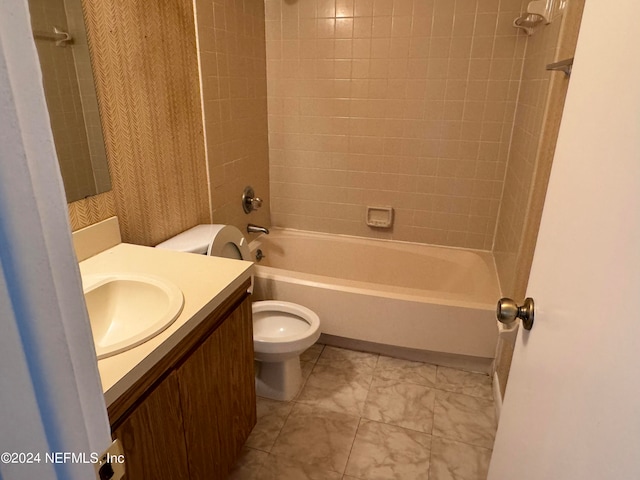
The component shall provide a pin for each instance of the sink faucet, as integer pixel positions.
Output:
(251, 228)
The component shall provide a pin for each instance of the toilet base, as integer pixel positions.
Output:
(278, 380)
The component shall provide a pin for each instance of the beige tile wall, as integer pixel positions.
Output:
(232, 61)
(407, 103)
(536, 125)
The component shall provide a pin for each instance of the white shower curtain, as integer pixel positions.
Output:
(50, 394)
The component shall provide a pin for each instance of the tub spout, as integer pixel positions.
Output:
(251, 228)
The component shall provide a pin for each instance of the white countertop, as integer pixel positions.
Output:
(205, 282)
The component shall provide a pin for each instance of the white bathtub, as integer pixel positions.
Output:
(387, 293)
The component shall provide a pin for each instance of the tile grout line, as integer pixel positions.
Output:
(462, 442)
(361, 418)
(352, 444)
(294, 403)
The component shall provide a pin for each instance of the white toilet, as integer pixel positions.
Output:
(281, 330)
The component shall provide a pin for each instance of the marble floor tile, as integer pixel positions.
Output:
(312, 353)
(348, 359)
(331, 373)
(321, 437)
(451, 460)
(468, 383)
(383, 451)
(360, 416)
(403, 404)
(271, 417)
(307, 368)
(464, 418)
(248, 465)
(343, 397)
(282, 468)
(406, 371)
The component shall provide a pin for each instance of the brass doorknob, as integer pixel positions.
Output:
(507, 311)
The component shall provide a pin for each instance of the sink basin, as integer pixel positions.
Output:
(126, 309)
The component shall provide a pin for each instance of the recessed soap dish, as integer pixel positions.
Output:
(380, 217)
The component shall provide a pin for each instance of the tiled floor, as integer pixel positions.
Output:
(367, 416)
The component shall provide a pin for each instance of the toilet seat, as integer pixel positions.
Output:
(283, 327)
(228, 242)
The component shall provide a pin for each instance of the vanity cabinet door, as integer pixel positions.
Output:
(218, 396)
(152, 437)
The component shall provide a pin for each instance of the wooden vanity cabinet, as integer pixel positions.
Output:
(217, 393)
(190, 417)
(151, 435)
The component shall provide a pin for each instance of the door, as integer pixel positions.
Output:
(572, 406)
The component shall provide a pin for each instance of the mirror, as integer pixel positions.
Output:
(61, 41)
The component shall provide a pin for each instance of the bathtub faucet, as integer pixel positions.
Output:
(251, 228)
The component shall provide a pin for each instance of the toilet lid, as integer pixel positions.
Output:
(228, 242)
(194, 240)
(218, 240)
